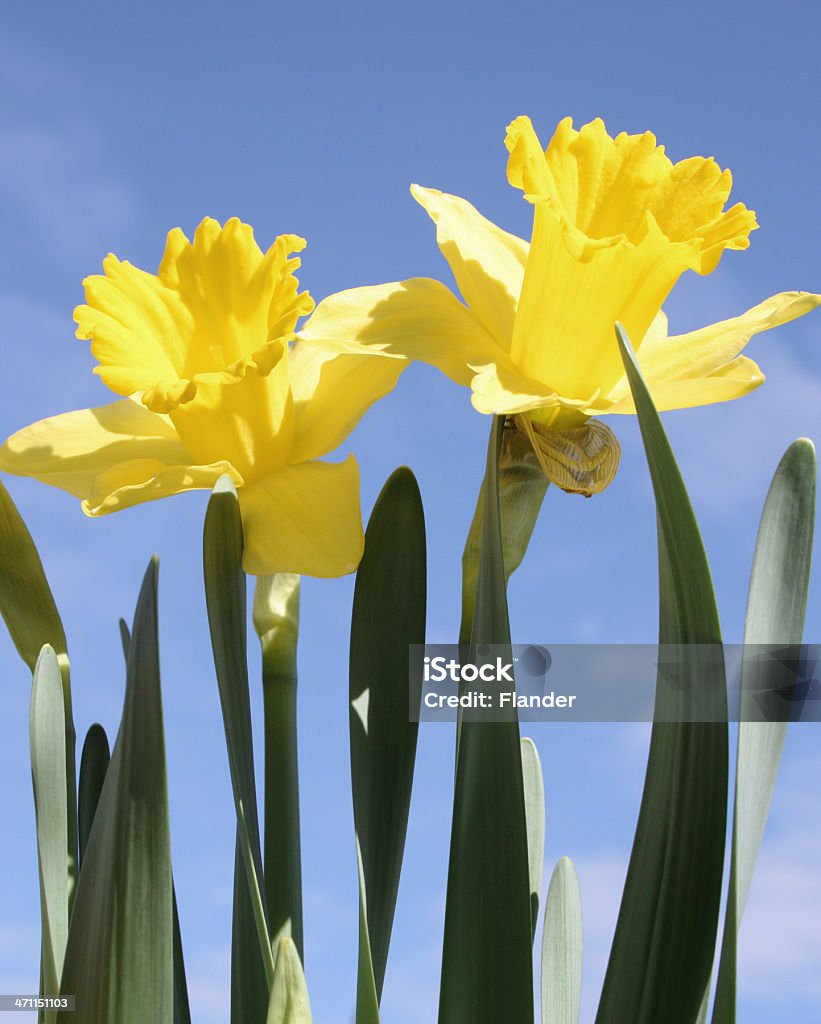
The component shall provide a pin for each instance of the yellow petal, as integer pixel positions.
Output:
(72, 450)
(699, 353)
(563, 335)
(737, 378)
(304, 519)
(135, 481)
(704, 366)
(414, 319)
(214, 302)
(488, 263)
(112, 457)
(499, 389)
(331, 393)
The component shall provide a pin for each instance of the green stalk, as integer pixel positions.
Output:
(276, 620)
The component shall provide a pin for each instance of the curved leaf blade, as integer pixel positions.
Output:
(48, 762)
(562, 947)
(93, 767)
(119, 959)
(485, 980)
(535, 816)
(388, 616)
(776, 608)
(663, 948)
(289, 993)
(225, 595)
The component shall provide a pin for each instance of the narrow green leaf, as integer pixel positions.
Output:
(367, 999)
(26, 601)
(662, 951)
(289, 994)
(562, 947)
(48, 762)
(119, 959)
(250, 993)
(535, 815)
(125, 638)
(276, 621)
(93, 766)
(27, 605)
(776, 608)
(485, 980)
(522, 487)
(225, 598)
(388, 616)
(182, 1012)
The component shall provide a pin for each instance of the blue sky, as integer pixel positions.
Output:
(121, 123)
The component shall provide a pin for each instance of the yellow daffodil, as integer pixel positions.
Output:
(615, 225)
(203, 353)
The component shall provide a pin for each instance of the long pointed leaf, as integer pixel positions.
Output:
(93, 767)
(27, 605)
(119, 959)
(289, 994)
(96, 754)
(250, 993)
(535, 815)
(367, 998)
(484, 979)
(388, 616)
(225, 598)
(561, 981)
(776, 607)
(48, 763)
(665, 935)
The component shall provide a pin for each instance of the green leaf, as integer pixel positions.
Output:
(182, 1013)
(93, 767)
(388, 616)
(119, 959)
(276, 621)
(367, 999)
(485, 980)
(535, 815)
(26, 601)
(522, 487)
(250, 993)
(662, 951)
(225, 598)
(776, 608)
(27, 605)
(48, 762)
(289, 994)
(562, 947)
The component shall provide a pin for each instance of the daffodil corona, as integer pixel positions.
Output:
(213, 383)
(615, 225)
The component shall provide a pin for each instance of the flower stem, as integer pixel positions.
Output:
(276, 619)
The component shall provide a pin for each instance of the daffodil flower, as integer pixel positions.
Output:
(615, 225)
(204, 354)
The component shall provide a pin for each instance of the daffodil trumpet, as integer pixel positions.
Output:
(212, 382)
